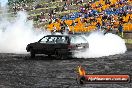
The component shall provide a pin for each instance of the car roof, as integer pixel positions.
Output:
(70, 35)
(56, 35)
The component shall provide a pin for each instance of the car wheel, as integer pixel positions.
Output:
(60, 56)
(32, 53)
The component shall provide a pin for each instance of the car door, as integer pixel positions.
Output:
(51, 44)
(61, 42)
(42, 44)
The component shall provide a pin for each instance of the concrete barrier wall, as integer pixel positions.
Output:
(128, 40)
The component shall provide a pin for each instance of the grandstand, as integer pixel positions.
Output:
(78, 16)
(86, 15)
(97, 8)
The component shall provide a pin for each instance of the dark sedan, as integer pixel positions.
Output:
(61, 46)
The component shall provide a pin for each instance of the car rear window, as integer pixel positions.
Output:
(78, 39)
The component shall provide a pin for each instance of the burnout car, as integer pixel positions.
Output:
(61, 46)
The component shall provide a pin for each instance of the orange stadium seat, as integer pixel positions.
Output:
(102, 2)
(57, 25)
(130, 27)
(84, 29)
(104, 7)
(130, 16)
(97, 3)
(80, 26)
(87, 28)
(78, 19)
(113, 1)
(99, 20)
(50, 26)
(68, 22)
(127, 27)
(76, 28)
(93, 5)
(71, 28)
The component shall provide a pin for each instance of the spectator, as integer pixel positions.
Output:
(63, 25)
(120, 29)
(42, 17)
(88, 12)
(67, 29)
(98, 25)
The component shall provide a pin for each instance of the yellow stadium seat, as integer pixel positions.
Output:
(130, 27)
(78, 19)
(50, 26)
(68, 22)
(84, 29)
(126, 27)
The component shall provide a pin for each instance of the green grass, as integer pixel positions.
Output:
(53, 6)
(128, 41)
(50, 3)
(44, 3)
(64, 12)
(43, 8)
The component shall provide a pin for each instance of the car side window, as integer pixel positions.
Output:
(61, 40)
(81, 39)
(44, 40)
(52, 40)
(78, 39)
(72, 40)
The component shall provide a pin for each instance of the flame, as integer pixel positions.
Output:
(81, 71)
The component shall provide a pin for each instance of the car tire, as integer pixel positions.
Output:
(59, 56)
(32, 53)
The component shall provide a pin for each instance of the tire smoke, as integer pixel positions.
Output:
(16, 34)
(102, 45)
(3, 3)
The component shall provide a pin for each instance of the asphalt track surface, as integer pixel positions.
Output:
(19, 71)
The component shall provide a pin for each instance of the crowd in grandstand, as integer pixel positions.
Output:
(96, 15)
(101, 15)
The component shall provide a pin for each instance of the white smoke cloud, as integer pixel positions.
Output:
(17, 33)
(3, 3)
(102, 45)
(14, 36)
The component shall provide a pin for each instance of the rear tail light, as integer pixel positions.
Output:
(70, 46)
